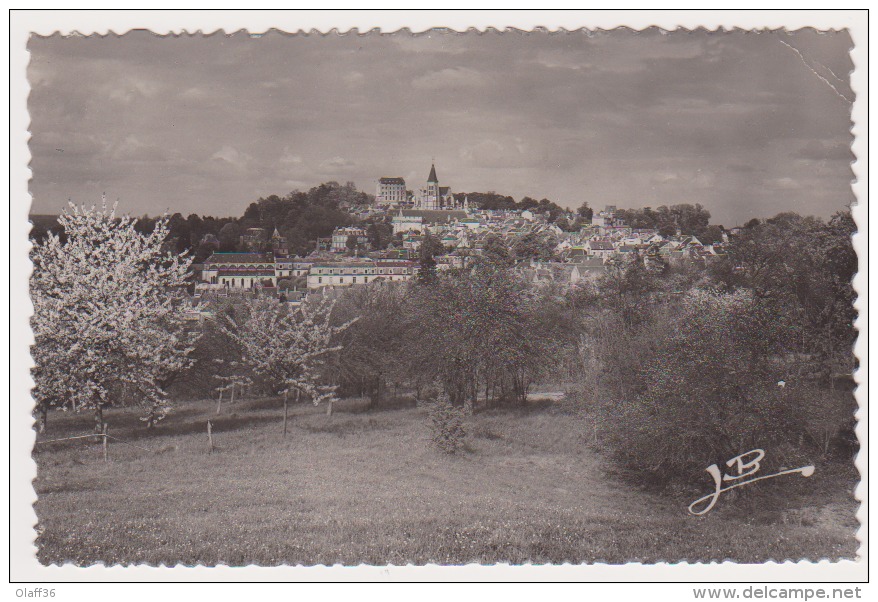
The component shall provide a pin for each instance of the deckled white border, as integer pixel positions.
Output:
(23, 564)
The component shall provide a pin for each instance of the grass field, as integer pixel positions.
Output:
(368, 487)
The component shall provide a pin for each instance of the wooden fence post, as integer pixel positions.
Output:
(286, 395)
(105, 443)
(209, 437)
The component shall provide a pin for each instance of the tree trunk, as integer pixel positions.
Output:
(42, 410)
(99, 422)
(152, 418)
(286, 395)
(378, 390)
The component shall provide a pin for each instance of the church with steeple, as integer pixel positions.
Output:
(433, 196)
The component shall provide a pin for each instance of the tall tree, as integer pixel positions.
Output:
(229, 237)
(585, 211)
(430, 247)
(372, 346)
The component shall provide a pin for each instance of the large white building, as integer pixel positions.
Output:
(247, 271)
(391, 192)
(240, 270)
(358, 272)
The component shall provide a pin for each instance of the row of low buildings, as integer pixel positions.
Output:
(247, 271)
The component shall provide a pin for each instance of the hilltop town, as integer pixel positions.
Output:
(392, 236)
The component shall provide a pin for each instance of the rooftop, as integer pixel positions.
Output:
(217, 257)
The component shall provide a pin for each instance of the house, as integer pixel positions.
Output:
(289, 267)
(420, 220)
(588, 268)
(407, 223)
(240, 270)
(340, 238)
(599, 248)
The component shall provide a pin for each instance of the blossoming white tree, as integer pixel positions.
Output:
(107, 324)
(290, 346)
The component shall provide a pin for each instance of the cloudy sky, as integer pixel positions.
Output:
(747, 124)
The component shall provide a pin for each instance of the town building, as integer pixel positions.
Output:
(433, 196)
(421, 220)
(248, 271)
(391, 192)
(279, 244)
(240, 270)
(340, 238)
(600, 248)
(336, 274)
(291, 267)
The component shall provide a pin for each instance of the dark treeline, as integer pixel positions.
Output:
(684, 218)
(301, 217)
(498, 202)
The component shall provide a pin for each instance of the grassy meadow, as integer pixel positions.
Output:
(369, 487)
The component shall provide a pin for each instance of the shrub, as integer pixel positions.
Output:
(828, 419)
(704, 389)
(446, 421)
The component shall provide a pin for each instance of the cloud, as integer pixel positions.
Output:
(194, 93)
(449, 78)
(492, 153)
(816, 150)
(336, 163)
(133, 149)
(289, 158)
(210, 123)
(784, 184)
(131, 89)
(354, 78)
(294, 184)
(232, 156)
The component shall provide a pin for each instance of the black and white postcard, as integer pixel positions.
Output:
(301, 296)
